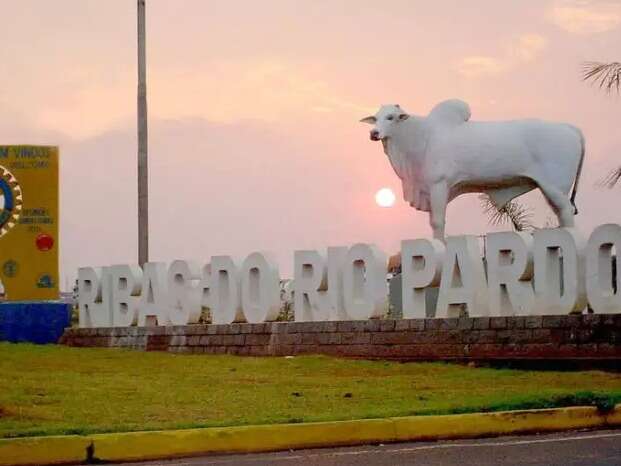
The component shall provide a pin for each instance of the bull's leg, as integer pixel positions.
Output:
(560, 204)
(437, 216)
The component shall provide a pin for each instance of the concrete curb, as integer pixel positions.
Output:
(132, 446)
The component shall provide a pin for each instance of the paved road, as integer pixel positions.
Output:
(600, 448)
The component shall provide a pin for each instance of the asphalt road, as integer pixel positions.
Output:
(599, 448)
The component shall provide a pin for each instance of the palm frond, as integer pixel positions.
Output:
(606, 76)
(519, 216)
(612, 178)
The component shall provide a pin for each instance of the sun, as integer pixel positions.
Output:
(385, 197)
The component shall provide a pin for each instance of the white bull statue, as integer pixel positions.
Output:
(444, 155)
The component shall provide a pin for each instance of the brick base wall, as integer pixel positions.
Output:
(571, 337)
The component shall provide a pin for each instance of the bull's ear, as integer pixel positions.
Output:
(403, 116)
(370, 119)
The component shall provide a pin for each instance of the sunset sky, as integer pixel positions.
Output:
(255, 142)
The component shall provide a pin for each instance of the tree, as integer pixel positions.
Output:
(607, 76)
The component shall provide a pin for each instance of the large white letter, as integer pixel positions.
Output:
(204, 287)
(125, 281)
(509, 260)
(94, 297)
(154, 303)
(336, 259)
(184, 295)
(599, 279)
(365, 288)
(463, 279)
(421, 266)
(558, 292)
(260, 288)
(309, 285)
(224, 292)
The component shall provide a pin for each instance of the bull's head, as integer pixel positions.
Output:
(385, 121)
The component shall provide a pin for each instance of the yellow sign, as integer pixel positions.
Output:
(29, 222)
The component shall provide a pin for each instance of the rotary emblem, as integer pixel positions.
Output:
(10, 201)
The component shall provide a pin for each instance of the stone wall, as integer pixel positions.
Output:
(569, 337)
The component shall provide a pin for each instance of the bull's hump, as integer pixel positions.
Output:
(453, 111)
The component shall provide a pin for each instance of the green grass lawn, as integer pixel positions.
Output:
(59, 390)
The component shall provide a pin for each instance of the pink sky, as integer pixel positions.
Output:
(254, 106)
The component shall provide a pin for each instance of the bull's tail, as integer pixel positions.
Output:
(578, 172)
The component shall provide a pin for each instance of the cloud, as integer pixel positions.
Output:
(585, 17)
(523, 49)
(528, 47)
(268, 90)
(476, 66)
(223, 91)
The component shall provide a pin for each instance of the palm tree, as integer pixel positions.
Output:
(606, 76)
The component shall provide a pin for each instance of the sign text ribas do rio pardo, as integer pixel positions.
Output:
(552, 271)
